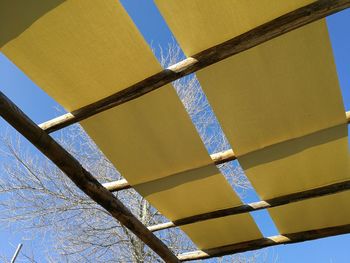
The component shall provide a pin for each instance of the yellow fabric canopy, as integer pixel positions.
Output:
(308, 162)
(18, 15)
(278, 103)
(316, 213)
(198, 25)
(84, 50)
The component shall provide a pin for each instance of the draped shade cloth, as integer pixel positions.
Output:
(81, 51)
(278, 103)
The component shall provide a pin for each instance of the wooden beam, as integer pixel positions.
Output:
(218, 158)
(223, 157)
(117, 185)
(81, 177)
(246, 208)
(265, 242)
(279, 26)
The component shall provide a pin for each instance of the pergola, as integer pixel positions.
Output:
(280, 25)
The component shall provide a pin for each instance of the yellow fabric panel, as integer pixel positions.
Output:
(198, 24)
(316, 213)
(222, 231)
(84, 50)
(183, 188)
(17, 15)
(308, 162)
(148, 138)
(112, 54)
(280, 90)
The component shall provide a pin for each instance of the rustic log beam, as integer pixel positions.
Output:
(223, 157)
(161, 226)
(279, 26)
(218, 158)
(265, 242)
(246, 208)
(81, 177)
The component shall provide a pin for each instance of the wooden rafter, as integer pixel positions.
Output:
(265, 242)
(218, 158)
(246, 208)
(81, 177)
(274, 28)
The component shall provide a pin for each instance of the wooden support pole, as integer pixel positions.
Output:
(279, 26)
(246, 208)
(265, 242)
(81, 177)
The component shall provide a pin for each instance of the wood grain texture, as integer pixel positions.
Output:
(265, 242)
(252, 38)
(81, 177)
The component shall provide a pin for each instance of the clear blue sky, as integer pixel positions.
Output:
(40, 107)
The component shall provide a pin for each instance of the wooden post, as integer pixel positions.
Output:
(265, 242)
(279, 26)
(81, 177)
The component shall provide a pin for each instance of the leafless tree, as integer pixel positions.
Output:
(39, 197)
